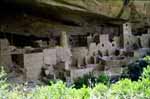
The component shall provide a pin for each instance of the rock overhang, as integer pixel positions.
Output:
(72, 9)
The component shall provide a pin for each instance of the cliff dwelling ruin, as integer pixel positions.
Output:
(55, 43)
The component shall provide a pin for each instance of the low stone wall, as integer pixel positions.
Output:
(75, 73)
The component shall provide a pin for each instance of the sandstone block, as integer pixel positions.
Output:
(49, 56)
(33, 64)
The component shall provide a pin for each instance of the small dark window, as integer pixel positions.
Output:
(113, 44)
(117, 52)
(6, 26)
(102, 45)
(26, 31)
(127, 43)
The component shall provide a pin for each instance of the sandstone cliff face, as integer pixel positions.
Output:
(109, 8)
(125, 9)
(140, 12)
(81, 12)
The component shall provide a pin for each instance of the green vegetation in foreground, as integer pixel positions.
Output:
(123, 89)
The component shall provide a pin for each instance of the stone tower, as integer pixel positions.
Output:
(64, 39)
(127, 34)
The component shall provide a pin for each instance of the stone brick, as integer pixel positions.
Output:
(130, 41)
(148, 30)
(49, 56)
(116, 63)
(4, 44)
(93, 49)
(127, 29)
(49, 70)
(105, 46)
(115, 71)
(89, 40)
(78, 55)
(5, 56)
(42, 44)
(64, 39)
(5, 60)
(63, 54)
(75, 73)
(33, 64)
(117, 40)
(141, 52)
(145, 40)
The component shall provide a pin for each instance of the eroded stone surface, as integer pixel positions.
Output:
(33, 64)
(50, 56)
(5, 55)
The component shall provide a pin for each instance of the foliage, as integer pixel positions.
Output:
(99, 91)
(147, 59)
(135, 69)
(123, 89)
(103, 78)
(89, 80)
(146, 73)
(86, 80)
(3, 84)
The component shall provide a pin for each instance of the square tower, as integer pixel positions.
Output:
(127, 35)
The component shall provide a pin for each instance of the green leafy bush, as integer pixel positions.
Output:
(86, 80)
(147, 59)
(89, 80)
(146, 73)
(135, 69)
(146, 70)
(3, 84)
(103, 78)
(99, 91)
